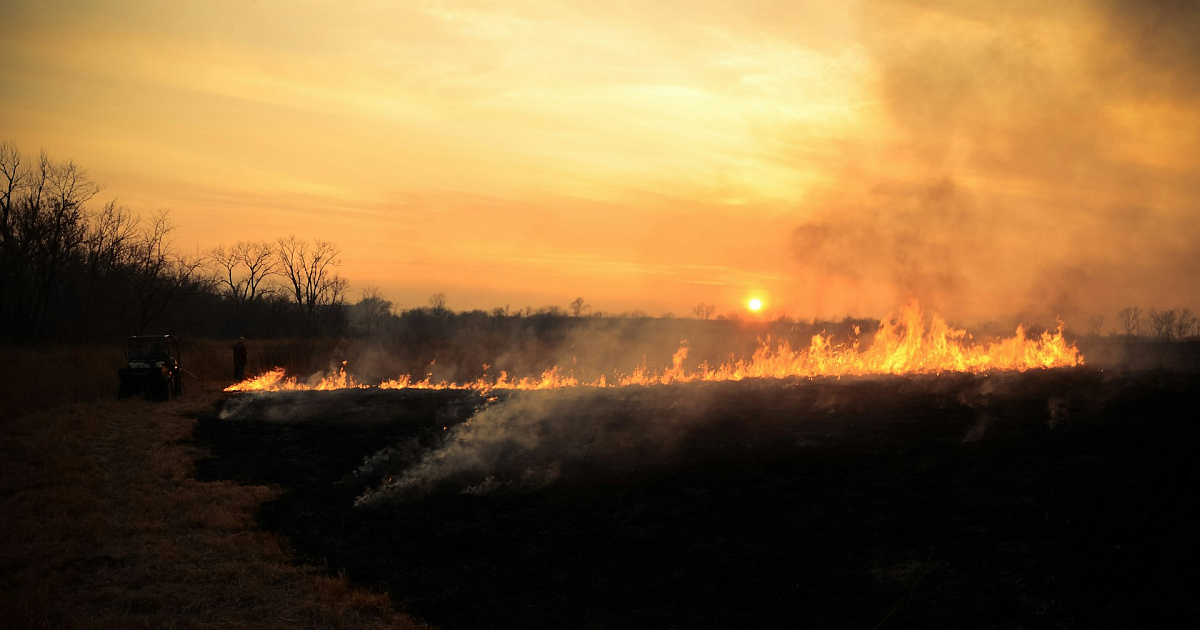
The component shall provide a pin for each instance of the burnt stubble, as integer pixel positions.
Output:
(1044, 499)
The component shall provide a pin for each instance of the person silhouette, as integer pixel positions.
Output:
(239, 360)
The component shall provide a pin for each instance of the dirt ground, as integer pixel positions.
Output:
(103, 525)
(1058, 499)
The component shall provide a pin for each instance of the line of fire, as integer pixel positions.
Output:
(904, 344)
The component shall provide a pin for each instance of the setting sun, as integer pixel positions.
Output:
(755, 305)
(646, 157)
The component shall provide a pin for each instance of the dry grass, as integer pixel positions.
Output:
(102, 525)
(33, 379)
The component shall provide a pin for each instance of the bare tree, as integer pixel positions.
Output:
(109, 234)
(10, 185)
(703, 311)
(437, 303)
(310, 271)
(106, 257)
(43, 225)
(11, 284)
(157, 273)
(578, 307)
(1095, 325)
(244, 269)
(227, 266)
(1185, 324)
(372, 312)
(1131, 320)
(1164, 323)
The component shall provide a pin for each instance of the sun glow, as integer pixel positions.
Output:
(754, 305)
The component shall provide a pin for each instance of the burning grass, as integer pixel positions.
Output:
(525, 441)
(903, 344)
(1045, 498)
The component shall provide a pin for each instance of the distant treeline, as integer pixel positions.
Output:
(460, 346)
(1165, 325)
(73, 272)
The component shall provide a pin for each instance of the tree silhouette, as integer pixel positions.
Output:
(158, 275)
(578, 306)
(1185, 324)
(1164, 323)
(1131, 320)
(43, 228)
(372, 312)
(437, 303)
(244, 268)
(703, 311)
(311, 272)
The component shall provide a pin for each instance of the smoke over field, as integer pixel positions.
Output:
(532, 439)
(1021, 162)
(1039, 498)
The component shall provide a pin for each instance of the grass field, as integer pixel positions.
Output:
(1044, 499)
(103, 524)
(1052, 502)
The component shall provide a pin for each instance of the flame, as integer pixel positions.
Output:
(276, 381)
(902, 345)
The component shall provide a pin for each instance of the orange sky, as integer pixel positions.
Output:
(834, 159)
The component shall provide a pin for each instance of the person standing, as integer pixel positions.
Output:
(239, 360)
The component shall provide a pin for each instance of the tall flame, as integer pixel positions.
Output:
(902, 345)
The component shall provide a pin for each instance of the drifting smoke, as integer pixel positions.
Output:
(356, 406)
(1034, 160)
(529, 440)
(600, 436)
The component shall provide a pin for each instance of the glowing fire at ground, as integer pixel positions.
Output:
(902, 345)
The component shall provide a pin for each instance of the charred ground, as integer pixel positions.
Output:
(1044, 499)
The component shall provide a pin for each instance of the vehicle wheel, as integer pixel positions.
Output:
(166, 392)
(178, 387)
(123, 390)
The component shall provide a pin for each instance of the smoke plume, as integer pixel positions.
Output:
(1034, 160)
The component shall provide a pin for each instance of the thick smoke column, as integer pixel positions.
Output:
(1032, 160)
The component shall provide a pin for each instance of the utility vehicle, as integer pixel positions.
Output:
(152, 367)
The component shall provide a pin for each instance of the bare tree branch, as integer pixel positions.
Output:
(310, 270)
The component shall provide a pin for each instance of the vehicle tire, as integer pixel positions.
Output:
(177, 388)
(165, 392)
(123, 390)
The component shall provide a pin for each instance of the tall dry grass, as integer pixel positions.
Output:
(34, 379)
(103, 525)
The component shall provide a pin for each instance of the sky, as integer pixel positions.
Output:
(995, 160)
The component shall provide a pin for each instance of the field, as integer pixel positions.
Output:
(1041, 499)
(104, 525)
(1050, 498)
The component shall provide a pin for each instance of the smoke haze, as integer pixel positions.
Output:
(1037, 160)
(583, 435)
(996, 160)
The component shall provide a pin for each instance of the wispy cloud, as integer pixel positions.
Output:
(1014, 157)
